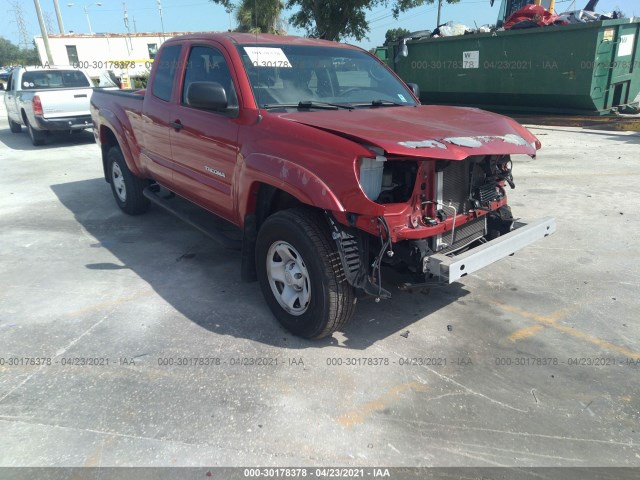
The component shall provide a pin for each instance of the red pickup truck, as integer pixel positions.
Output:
(335, 176)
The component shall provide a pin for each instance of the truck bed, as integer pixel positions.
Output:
(123, 106)
(119, 102)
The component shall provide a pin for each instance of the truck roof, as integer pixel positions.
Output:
(33, 68)
(261, 39)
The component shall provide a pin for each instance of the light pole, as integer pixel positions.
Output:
(439, 9)
(229, 9)
(126, 25)
(86, 12)
(161, 20)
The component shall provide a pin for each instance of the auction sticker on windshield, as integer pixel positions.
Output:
(267, 57)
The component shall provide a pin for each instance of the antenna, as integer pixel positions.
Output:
(255, 29)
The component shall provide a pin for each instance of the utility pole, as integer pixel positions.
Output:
(43, 29)
(439, 9)
(59, 15)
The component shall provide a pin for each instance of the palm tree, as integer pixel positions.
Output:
(260, 16)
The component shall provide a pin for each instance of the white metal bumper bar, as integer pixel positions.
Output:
(453, 268)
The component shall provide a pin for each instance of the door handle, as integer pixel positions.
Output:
(177, 125)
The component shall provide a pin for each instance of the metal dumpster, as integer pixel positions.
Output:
(590, 68)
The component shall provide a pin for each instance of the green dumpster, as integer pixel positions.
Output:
(590, 68)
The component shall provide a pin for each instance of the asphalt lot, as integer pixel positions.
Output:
(533, 357)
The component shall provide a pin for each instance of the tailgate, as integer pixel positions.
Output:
(66, 102)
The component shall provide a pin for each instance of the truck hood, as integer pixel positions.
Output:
(450, 133)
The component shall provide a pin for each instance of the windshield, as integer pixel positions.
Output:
(289, 74)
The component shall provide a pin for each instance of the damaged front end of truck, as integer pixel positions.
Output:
(441, 211)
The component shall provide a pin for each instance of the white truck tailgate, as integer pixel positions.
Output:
(65, 102)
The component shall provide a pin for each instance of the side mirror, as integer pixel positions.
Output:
(207, 95)
(1, 86)
(415, 89)
(403, 50)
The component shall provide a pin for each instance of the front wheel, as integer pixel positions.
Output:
(126, 187)
(301, 275)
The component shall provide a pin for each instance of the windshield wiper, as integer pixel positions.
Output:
(380, 103)
(309, 104)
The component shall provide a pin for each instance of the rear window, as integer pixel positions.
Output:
(166, 70)
(41, 79)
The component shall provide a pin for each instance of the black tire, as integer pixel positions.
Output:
(127, 189)
(14, 126)
(38, 137)
(331, 300)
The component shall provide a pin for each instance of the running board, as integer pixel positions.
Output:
(226, 234)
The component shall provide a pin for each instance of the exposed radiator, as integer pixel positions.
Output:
(455, 185)
(465, 234)
(488, 192)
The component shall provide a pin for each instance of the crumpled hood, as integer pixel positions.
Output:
(451, 133)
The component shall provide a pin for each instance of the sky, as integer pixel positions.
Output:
(202, 15)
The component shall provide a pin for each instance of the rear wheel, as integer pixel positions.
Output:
(38, 137)
(14, 126)
(301, 274)
(127, 188)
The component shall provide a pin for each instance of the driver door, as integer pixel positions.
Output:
(205, 143)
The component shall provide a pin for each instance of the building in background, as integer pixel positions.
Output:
(126, 55)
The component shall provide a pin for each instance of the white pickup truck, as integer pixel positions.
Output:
(48, 99)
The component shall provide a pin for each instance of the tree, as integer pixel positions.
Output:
(336, 19)
(8, 52)
(29, 56)
(394, 34)
(11, 54)
(256, 16)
